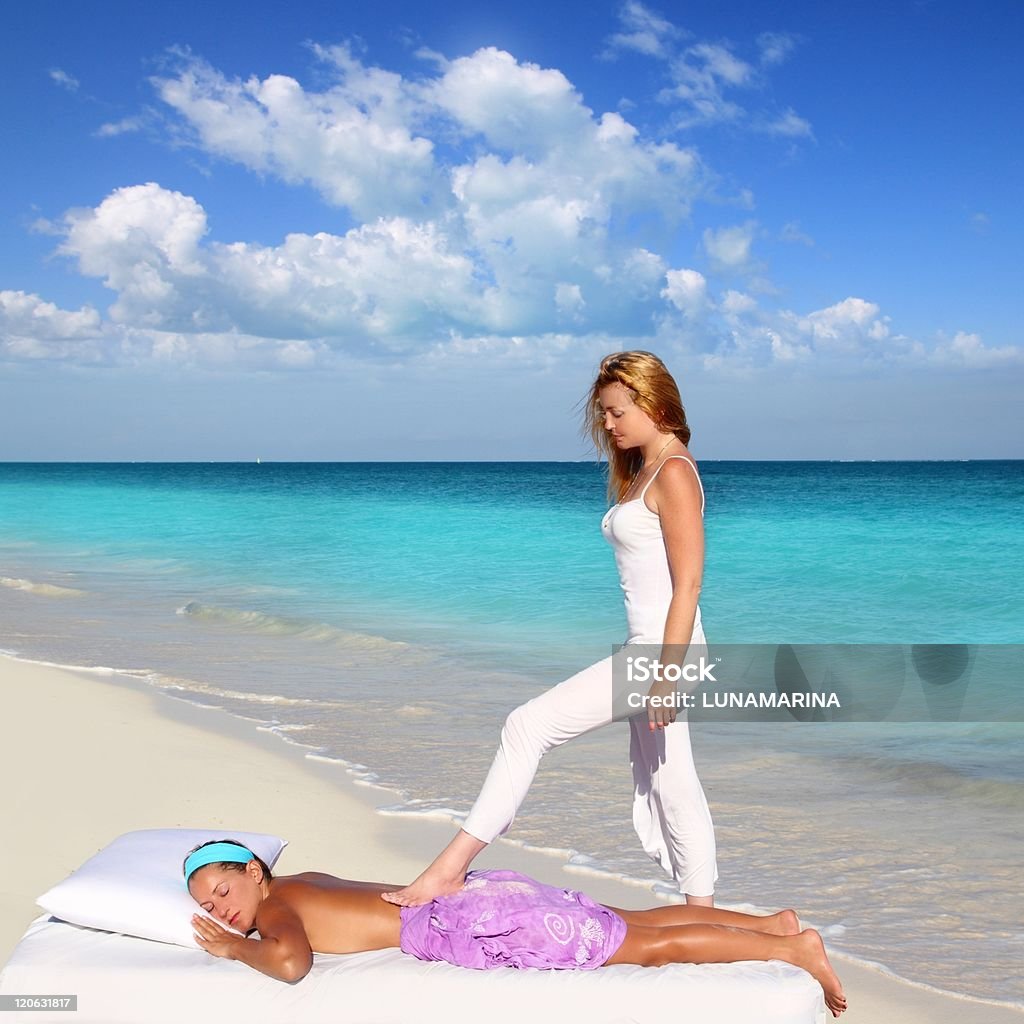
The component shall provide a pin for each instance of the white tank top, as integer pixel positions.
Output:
(634, 531)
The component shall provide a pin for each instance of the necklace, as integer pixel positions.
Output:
(646, 465)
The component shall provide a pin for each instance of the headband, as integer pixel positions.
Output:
(216, 853)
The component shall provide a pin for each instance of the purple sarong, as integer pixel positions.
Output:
(505, 919)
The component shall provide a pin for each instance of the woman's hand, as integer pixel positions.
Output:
(661, 711)
(214, 938)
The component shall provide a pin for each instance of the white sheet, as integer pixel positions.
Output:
(124, 980)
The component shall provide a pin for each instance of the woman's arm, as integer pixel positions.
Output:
(282, 951)
(678, 498)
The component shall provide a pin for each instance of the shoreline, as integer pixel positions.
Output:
(217, 769)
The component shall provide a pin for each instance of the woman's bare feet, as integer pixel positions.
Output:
(813, 959)
(446, 875)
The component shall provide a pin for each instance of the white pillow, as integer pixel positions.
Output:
(135, 885)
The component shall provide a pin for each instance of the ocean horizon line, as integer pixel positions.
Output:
(259, 461)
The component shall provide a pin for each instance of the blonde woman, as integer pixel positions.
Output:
(636, 418)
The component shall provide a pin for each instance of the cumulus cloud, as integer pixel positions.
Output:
(969, 351)
(26, 313)
(31, 328)
(528, 232)
(352, 142)
(853, 334)
(518, 107)
(384, 279)
(736, 304)
(845, 327)
(492, 210)
(687, 290)
(392, 283)
(140, 240)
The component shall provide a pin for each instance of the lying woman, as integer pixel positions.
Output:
(498, 919)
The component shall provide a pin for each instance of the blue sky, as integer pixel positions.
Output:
(398, 230)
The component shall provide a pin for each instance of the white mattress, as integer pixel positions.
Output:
(122, 979)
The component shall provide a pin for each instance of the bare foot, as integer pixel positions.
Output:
(814, 960)
(785, 922)
(788, 923)
(447, 873)
(429, 886)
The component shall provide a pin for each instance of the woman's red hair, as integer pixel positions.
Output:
(653, 389)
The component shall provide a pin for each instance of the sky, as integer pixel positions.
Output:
(325, 231)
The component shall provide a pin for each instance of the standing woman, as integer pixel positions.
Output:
(656, 528)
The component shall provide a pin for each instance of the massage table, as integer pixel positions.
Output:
(123, 980)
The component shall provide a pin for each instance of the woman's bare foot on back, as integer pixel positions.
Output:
(446, 875)
(813, 959)
(429, 886)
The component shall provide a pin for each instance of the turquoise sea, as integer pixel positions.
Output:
(387, 616)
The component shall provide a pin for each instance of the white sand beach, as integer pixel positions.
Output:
(86, 757)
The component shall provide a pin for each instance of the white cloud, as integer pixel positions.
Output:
(735, 304)
(142, 240)
(643, 31)
(729, 248)
(687, 290)
(516, 107)
(31, 328)
(493, 210)
(26, 313)
(701, 75)
(968, 351)
(394, 283)
(852, 334)
(775, 47)
(389, 278)
(125, 126)
(228, 350)
(788, 124)
(64, 80)
(705, 76)
(569, 300)
(352, 142)
(846, 327)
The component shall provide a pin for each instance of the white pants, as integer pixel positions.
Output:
(670, 812)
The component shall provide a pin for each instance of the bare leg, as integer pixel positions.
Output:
(700, 901)
(719, 944)
(576, 706)
(785, 922)
(445, 875)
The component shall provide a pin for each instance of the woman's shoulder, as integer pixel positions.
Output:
(677, 478)
(675, 467)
